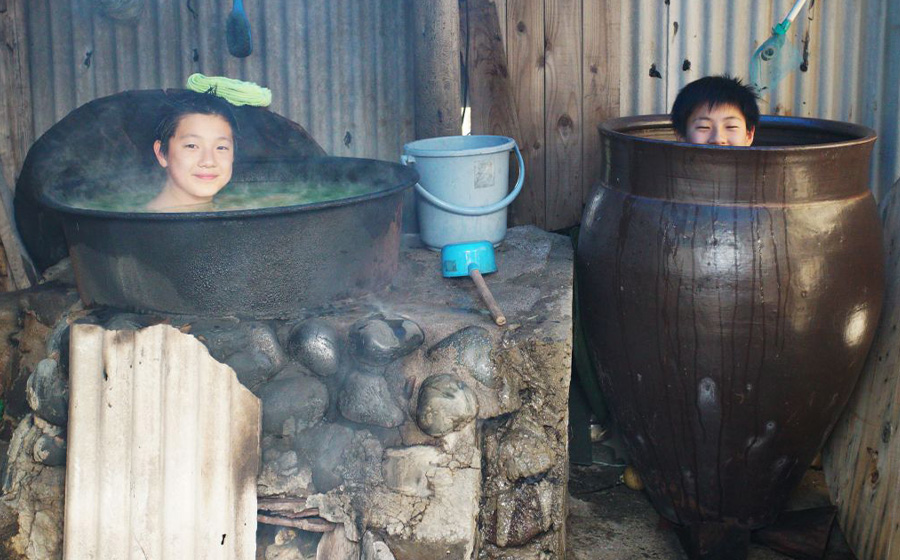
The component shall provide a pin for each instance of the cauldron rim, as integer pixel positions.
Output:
(409, 177)
(860, 134)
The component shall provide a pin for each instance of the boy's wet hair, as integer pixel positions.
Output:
(185, 103)
(714, 91)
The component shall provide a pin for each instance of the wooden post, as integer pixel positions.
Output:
(437, 73)
(435, 28)
(16, 129)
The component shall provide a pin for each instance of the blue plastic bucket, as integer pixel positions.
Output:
(463, 187)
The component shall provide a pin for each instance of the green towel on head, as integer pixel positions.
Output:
(233, 91)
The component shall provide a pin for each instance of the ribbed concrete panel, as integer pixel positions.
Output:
(163, 450)
(341, 68)
(850, 71)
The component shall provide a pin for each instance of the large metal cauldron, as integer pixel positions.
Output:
(262, 263)
(729, 298)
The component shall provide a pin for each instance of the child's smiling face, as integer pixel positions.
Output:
(721, 125)
(198, 160)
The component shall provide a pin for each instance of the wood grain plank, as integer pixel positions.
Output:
(15, 277)
(601, 31)
(501, 15)
(525, 53)
(437, 73)
(563, 79)
(41, 64)
(490, 95)
(491, 99)
(16, 126)
(861, 459)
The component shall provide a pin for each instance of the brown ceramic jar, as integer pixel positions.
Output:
(729, 297)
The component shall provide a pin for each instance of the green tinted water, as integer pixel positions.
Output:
(235, 196)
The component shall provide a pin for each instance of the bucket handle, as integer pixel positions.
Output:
(479, 210)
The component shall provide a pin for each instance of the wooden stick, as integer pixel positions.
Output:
(488, 297)
(280, 504)
(313, 525)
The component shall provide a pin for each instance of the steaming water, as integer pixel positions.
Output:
(235, 196)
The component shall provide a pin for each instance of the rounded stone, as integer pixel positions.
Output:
(292, 404)
(524, 453)
(47, 392)
(467, 350)
(445, 404)
(50, 450)
(366, 399)
(251, 368)
(520, 514)
(264, 341)
(126, 322)
(338, 454)
(315, 344)
(379, 341)
(227, 338)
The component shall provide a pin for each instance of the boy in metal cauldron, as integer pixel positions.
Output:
(717, 110)
(195, 145)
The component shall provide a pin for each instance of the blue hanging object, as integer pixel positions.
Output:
(776, 58)
(237, 31)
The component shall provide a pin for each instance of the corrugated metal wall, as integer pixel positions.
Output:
(852, 73)
(163, 449)
(342, 69)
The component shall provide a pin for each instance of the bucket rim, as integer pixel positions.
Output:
(418, 148)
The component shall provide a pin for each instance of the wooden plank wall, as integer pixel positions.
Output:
(562, 61)
(16, 132)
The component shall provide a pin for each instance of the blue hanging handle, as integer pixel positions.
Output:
(783, 27)
(479, 210)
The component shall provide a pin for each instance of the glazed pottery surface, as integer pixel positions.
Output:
(729, 296)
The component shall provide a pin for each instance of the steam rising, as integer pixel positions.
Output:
(254, 185)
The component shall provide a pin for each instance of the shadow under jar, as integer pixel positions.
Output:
(729, 297)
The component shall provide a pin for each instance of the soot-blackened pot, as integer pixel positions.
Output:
(729, 297)
(263, 263)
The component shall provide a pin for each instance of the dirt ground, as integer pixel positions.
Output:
(607, 521)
